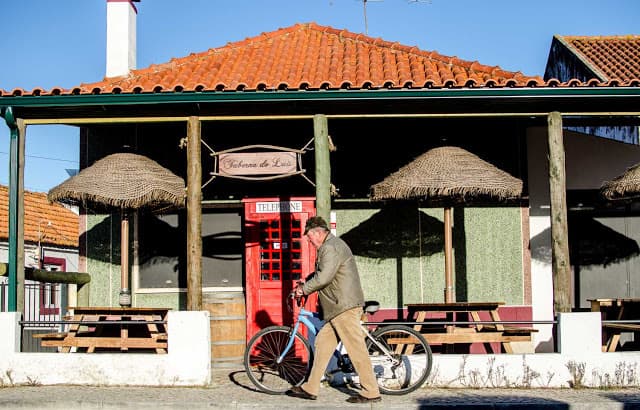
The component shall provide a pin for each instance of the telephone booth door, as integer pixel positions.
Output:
(277, 256)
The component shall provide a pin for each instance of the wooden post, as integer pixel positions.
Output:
(194, 215)
(22, 131)
(559, 231)
(448, 257)
(323, 166)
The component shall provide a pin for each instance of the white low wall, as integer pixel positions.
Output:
(187, 363)
(579, 362)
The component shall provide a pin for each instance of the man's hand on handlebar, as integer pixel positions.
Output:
(297, 291)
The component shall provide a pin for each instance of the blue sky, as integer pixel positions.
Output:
(48, 43)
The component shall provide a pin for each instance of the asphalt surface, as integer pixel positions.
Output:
(231, 389)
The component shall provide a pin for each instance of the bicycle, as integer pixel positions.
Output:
(278, 357)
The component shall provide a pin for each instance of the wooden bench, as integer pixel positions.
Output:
(614, 331)
(50, 336)
(488, 334)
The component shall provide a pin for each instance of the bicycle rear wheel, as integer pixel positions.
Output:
(261, 360)
(410, 363)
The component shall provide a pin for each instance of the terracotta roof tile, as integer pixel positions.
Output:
(611, 57)
(304, 56)
(52, 224)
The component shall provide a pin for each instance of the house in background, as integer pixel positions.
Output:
(50, 232)
(595, 60)
(50, 243)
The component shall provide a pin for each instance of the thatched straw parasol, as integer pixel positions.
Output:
(448, 175)
(625, 186)
(126, 181)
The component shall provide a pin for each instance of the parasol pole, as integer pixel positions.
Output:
(125, 292)
(448, 257)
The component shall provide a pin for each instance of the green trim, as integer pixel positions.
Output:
(324, 95)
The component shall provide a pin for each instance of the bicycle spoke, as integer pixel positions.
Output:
(262, 354)
(399, 373)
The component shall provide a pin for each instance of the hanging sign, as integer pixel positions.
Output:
(257, 163)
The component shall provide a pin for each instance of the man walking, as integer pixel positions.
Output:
(337, 282)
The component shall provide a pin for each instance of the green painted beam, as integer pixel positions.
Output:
(324, 95)
(12, 297)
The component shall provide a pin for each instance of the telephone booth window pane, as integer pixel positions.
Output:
(264, 265)
(295, 234)
(275, 265)
(295, 255)
(295, 276)
(296, 245)
(264, 276)
(264, 255)
(275, 224)
(296, 265)
(295, 224)
(275, 276)
(275, 234)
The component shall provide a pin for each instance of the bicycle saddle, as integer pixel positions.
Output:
(371, 306)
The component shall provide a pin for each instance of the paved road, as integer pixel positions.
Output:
(230, 389)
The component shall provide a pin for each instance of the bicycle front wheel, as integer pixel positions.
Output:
(261, 359)
(401, 359)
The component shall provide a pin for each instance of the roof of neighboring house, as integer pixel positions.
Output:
(52, 224)
(608, 57)
(304, 57)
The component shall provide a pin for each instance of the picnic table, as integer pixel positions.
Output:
(464, 324)
(617, 309)
(111, 329)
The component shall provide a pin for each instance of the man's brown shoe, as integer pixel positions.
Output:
(298, 392)
(362, 399)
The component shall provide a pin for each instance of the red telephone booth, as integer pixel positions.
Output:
(277, 256)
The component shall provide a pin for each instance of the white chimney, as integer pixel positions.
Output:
(121, 37)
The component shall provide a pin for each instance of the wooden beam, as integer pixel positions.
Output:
(559, 231)
(323, 166)
(132, 120)
(194, 215)
(45, 276)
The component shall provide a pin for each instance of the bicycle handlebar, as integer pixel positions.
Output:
(300, 300)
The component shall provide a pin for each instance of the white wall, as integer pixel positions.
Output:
(579, 361)
(187, 363)
(589, 161)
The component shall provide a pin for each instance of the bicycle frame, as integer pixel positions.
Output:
(303, 317)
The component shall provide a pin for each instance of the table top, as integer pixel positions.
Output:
(454, 306)
(619, 300)
(116, 310)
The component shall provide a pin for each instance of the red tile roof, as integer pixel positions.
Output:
(305, 57)
(52, 224)
(610, 57)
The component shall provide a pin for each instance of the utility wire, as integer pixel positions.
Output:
(47, 158)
